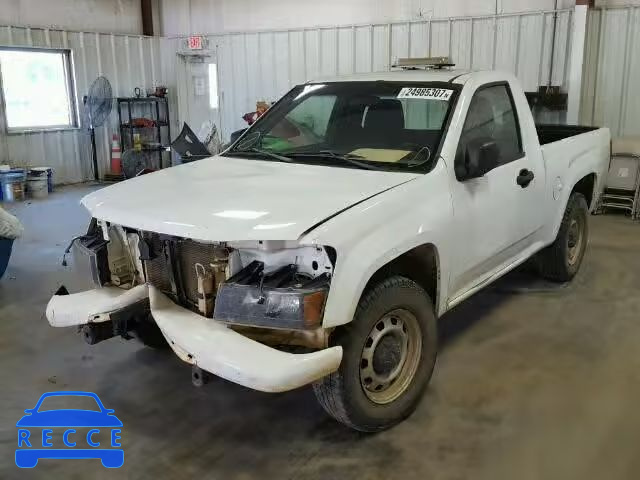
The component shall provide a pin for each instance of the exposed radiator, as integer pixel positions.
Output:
(189, 254)
(186, 254)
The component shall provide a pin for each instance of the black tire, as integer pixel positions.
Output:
(560, 262)
(342, 393)
(148, 333)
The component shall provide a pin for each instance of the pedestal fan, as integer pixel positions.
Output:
(98, 104)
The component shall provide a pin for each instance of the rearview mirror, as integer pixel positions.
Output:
(237, 134)
(478, 158)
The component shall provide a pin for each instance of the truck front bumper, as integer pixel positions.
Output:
(200, 341)
(92, 306)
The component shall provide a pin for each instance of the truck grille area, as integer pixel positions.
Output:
(172, 266)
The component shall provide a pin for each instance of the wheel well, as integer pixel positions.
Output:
(419, 264)
(585, 186)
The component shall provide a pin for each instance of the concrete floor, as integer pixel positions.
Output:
(541, 384)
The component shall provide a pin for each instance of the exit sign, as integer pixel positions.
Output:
(195, 42)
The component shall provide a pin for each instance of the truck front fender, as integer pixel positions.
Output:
(375, 233)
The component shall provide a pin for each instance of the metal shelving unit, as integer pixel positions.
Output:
(155, 109)
(622, 188)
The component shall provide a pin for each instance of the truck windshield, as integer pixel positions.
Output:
(388, 126)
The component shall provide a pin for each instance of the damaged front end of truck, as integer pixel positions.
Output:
(236, 309)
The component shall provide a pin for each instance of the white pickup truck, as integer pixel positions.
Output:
(322, 246)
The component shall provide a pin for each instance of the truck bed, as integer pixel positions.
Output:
(553, 133)
(571, 153)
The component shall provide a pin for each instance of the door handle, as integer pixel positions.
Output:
(525, 177)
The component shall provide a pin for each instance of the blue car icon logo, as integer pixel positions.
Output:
(69, 433)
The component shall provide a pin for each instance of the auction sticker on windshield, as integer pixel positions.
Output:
(426, 93)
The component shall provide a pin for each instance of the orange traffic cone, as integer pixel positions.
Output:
(116, 158)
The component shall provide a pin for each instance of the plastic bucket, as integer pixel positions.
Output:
(38, 187)
(43, 172)
(5, 252)
(12, 184)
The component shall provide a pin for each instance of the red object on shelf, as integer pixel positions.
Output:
(143, 122)
(116, 157)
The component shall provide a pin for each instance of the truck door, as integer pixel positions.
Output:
(497, 214)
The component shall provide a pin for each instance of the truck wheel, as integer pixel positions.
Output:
(389, 351)
(148, 332)
(561, 260)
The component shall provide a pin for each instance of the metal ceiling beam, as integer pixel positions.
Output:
(147, 17)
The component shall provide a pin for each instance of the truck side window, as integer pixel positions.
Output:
(492, 115)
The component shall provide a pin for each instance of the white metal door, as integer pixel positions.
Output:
(199, 103)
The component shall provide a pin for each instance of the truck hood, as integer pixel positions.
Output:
(231, 199)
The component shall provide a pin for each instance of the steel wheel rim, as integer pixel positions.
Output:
(390, 356)
(575, 237)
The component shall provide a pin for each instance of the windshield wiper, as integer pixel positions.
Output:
(350, 158)
(251, 141)
(266, 153)
(425, 153)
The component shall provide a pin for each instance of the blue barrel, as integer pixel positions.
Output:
(5, 252)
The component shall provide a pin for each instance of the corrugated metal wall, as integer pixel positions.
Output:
(612, 70)
(264, 65)
(127, 61)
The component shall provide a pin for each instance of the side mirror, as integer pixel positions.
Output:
(478, 158)
(237, 134)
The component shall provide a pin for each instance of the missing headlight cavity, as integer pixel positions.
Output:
(331, 253)
(287, 276)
